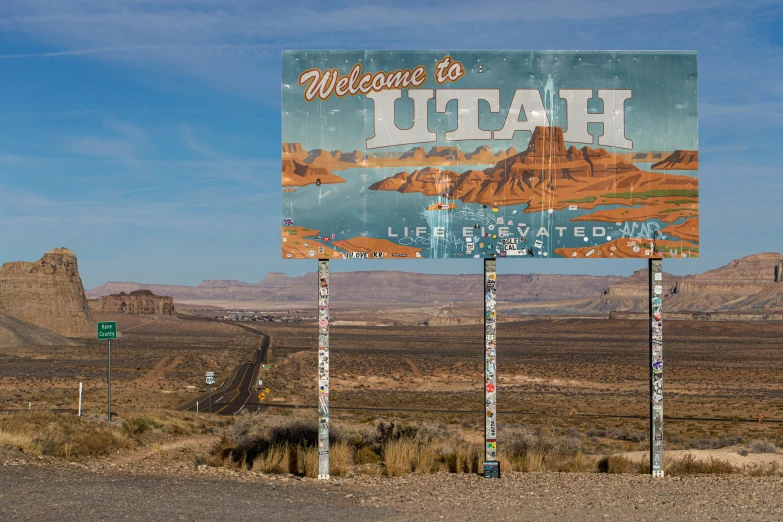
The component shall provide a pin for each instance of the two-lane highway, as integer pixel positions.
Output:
(238, 391)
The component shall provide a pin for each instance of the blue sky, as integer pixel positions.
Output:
(145, 136)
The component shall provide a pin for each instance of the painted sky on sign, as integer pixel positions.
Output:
(146, 136)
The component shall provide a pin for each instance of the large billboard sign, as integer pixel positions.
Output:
(487, 154)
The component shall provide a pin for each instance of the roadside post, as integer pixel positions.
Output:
(80, 399)
(323, 369)
(491, 464)
(655, 273)
(108, 330)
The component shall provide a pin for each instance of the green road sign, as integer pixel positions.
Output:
(107, 330)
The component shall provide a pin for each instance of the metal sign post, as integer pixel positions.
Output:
(491, 464)
(80, 399)
(323, 368)
(108, 330)
(656, 366)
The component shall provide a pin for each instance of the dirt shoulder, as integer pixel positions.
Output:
(41, 489)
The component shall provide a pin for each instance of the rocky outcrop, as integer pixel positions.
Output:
(416, 153)
(447, 153)
(679, 160)
(549, 176)
(297, 174)
(294, 151)
(321, 158)
(719, 288)
(47, 293)
(138, 302)
(482, 154)
(351, 157)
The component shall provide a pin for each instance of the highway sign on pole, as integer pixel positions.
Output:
(210, 378)
(107, 330)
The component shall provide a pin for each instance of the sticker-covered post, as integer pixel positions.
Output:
(323, 368)
(491, 464)
(656, 367)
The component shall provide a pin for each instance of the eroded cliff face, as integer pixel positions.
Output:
(48, 293)
(140, 302)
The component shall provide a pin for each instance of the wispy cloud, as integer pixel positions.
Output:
(124, 146)
(229, 167)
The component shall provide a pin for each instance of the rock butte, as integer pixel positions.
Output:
(547, 175)
(47, 293)
(140, 302)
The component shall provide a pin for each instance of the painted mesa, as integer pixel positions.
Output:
(426, 154)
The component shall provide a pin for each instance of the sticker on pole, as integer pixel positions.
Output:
(465, 154)
(107, 330)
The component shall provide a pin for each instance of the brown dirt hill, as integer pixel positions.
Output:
(140, 302)
(14, 332)
(48, 293)
(384, 286)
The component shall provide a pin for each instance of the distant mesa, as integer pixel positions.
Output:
(547, 175)
(294, 151)
(443, 206)
(297, 174)
(138, 302)
(679, 160)
(483, 154)
(351, 157)
(416, 153)
(446, 153)
(47, 293)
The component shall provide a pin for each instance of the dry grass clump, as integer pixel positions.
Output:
(409, 455)
(284, 444)
(64, 436)
(464, 458)
(543, 450)
(617, 464)
(690, 465)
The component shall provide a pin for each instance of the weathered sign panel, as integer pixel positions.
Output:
(486, 154)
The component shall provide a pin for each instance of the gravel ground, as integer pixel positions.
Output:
(57, 492)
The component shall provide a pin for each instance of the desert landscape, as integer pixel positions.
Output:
(406, 377)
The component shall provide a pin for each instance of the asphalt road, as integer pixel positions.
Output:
(238, 392)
